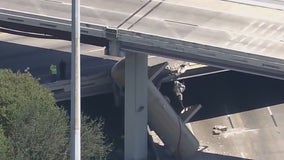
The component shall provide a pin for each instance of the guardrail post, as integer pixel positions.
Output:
(113, 47)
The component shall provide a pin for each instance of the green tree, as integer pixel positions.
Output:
(4, 146)
(94, 144)
(36, 128)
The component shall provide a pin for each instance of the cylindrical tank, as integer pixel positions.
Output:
(163, 119)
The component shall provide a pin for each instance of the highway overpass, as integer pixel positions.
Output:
(225, 34)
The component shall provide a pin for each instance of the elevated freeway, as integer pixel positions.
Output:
(226, 34)
(237, 36)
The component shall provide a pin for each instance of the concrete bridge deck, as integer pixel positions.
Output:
(237, 36)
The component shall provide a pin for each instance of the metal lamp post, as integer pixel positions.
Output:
(75, 150)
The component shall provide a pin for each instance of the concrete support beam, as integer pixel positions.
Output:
(136, 106)
(114, 48)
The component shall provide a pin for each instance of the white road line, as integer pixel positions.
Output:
(279, 34)
(152, 56)
(257, 28)
(95, 50)
(84, 6)
(249, 43)
(272, 117)
(53, 1)
(230, 121)
(261, 24)
(69, 4)
(232, 40)
(266, 29)
(248, 26)
(258, 44)
(227, 43)
(243, 155)
(269, 110)
(266, 4)
(273, 32)
(278, 28)
(243, 39)
(3, 33)
(268, 45)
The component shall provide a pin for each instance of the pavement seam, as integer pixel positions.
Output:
(133, 14)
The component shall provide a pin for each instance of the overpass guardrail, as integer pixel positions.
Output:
(138, 42)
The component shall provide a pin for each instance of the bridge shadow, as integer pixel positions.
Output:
(212, 156)
(38, 32)
(199, 155)
(18, 57)
(229, 92)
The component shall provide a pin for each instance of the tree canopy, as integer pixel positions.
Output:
(33, 127)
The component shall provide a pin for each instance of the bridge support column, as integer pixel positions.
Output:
(136, 109)
(114, 48)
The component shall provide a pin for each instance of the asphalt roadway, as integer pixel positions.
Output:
(251, 107)
(38, 52)
(20, 50)
(224, 24)
(252, 133)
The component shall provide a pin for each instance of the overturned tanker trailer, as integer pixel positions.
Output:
(163, 119)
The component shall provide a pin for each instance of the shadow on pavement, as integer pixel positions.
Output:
(211, 156)
(18, 57)
(199, 155)
(228, 93)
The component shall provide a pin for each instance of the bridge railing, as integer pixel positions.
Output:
(90, 86)
(138, 42)
(49, 22)
(216, 56)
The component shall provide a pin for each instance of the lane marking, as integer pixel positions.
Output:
(230, 120)
(267, 29)
(147, 13)
(269, 110)
(236, 131)
(3, 34)
(261, 24)
(249, 43)
(258, 44)
(152, 56)
(248, 26)
(183, 23)
(258, 3)
(272, 116)
(243, 155)
(243, 39)
(274, 31)
(95, 50)
(257, 28)
(278, 28)
(267, 46)
(133, 14)
(234, 38)
(53, 1)
(68, 4)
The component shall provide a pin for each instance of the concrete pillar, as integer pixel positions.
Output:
(114, 48)
(136, 106)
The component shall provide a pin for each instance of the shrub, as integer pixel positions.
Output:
(35, 128)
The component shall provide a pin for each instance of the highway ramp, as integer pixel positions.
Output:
(220, 33)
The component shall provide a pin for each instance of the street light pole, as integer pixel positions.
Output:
(75, 150)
